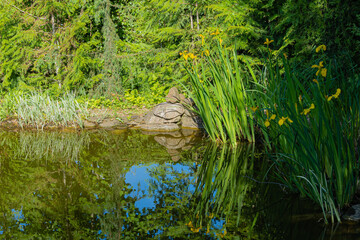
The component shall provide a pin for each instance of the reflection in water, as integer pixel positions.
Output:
(127, 185)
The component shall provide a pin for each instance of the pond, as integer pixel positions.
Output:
(130, 185)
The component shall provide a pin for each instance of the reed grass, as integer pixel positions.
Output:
(315, 133)
(38, 110)
(219, 89)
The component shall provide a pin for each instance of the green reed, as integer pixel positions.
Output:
(219, 89)
(312, 120)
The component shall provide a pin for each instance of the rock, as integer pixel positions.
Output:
(173, 95)
(170, 142)
(111, 123)
(88, 124)
(182, 98)
(188, 132)
(168, 111)
(352, 214)
(160, 127)
(175, 134)
(164, 113)
(174, 154)
(188, 102)
(191, 122)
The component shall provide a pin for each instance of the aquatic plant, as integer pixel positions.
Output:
(37, 110)
(314, 132)
(220, 92)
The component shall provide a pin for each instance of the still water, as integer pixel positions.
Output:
(131, 185)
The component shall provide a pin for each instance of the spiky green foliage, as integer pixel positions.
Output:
(220, 91)
(315, 131)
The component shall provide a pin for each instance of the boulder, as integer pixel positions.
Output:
(88, 124)
(188, 102)
(168, 111)
(170, 142)
(173, 96)
(191, 122)
(164, 113)
(352, 214)
(175, 134)
(160, 127)
(111, 123)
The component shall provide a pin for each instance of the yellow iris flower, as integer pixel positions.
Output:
(267, 123)
(321, 47)
(336, 95)
(319, 67)
(254, 108)
(307, 110)
(267, 42)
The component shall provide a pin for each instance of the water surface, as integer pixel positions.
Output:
(131, 185)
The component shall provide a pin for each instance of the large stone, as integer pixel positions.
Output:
(174, 154)
(88, 124)
(173, 96)
(174, 134)
(191, 122)
(352, 214)
(168, 111)
(112, 123)
(160, 127)
(188, 102)
(164, 113)
(170, 142)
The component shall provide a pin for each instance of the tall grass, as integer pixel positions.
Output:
(315, 132)
(309, 117)
(37, 110)
(219, 90)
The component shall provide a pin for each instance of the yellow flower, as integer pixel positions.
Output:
(268, 41)
(323, 72)
(319, 67)
(208, 230)
(282, 120)
(216, 32)
(321, 47)
(336, 95)
(307, 110)
(267, 123)
(289, 120)
(220, 40)
(192, 56)
(202, 39)
(254, 108)
(338, 91)
(315, 81)
(273, 117)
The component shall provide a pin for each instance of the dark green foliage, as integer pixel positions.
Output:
(105, 47)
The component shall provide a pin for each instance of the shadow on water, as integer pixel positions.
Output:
(131, 185)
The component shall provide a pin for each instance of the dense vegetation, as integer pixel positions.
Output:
(99, 47)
